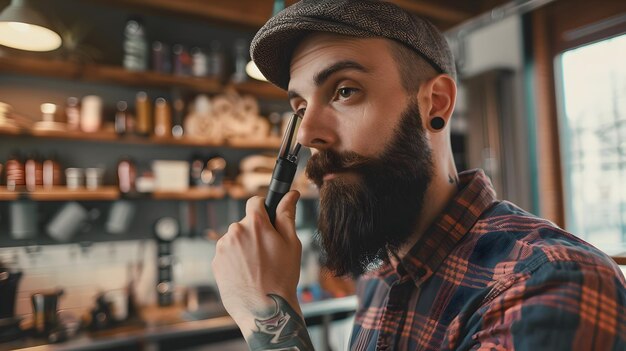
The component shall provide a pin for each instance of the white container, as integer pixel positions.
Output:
(67, 221)
(23, 217)
(170, 175)
(120, 217)
(91, 113)
(74, 177)
(93, 178)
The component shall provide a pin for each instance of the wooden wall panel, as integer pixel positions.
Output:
(548, 152)
(551, 30)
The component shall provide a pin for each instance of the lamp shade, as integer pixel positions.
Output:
(21, 27)
(253, 71)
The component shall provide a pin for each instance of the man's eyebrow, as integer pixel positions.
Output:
(324, 74)
(292, 94)
(321, 76)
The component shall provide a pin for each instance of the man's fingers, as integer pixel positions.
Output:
(286, 215)
(257, 217)
(256, 205)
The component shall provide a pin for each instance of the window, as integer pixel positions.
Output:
(593, 129)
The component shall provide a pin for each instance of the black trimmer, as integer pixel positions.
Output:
(285, 169)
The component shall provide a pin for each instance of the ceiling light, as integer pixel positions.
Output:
(253, 71)
(21, 27)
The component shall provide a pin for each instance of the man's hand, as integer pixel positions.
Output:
(257, 268)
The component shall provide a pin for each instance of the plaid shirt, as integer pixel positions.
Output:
(489, 276)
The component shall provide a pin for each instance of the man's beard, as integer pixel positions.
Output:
(374, 210)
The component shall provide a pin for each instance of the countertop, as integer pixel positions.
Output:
(163, 324)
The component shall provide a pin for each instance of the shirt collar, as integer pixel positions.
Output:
(475, 195)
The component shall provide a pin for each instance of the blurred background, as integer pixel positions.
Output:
(133, 131)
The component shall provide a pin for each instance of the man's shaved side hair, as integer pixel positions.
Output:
(413, 69)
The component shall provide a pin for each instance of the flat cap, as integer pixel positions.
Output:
(273, 45)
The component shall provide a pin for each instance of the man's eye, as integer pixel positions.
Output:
(344, 93)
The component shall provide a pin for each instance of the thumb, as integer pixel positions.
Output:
(286, 214)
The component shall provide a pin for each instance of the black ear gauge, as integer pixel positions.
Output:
(437, 123)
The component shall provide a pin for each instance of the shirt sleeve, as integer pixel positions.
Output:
(560, 306)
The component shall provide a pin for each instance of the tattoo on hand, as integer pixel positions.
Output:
(284, 330)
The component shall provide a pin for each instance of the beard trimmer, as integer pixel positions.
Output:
(285, 168)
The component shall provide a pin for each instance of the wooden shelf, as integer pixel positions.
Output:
(198, 193)
(104, 136)
(259, 88)
(107, 193)
(252, 14)
(111, 193)
(237, 192)
(62, 193)
(6, 195)
(247, 143)
(71, 135)
(119, 75)
(242, 14)
(9, 130)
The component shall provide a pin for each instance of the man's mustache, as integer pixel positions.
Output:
(328, 161)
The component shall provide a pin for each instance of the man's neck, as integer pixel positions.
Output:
(443, 187)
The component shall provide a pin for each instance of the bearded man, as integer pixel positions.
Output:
(442, 264)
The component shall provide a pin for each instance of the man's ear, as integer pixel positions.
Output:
(436, 99)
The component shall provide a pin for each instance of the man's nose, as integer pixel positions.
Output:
(318, 129)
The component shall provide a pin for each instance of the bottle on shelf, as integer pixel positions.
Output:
(241, 60)
(179, 111)
(135, 45)
(143, 114)
(72, 113)
(196, 165)
(182, 60)
(199, 63)
(51, 173)
(91, 114)
(162, 118)
(126, 175)
(161, 59)
(15, 172)
(33, 172)
(121, 118)
(217, 61)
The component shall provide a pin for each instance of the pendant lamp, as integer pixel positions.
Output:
(22, 27)
(251, 69)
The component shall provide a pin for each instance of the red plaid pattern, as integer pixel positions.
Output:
(490, 276)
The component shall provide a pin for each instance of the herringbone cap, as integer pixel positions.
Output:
(273, 45)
